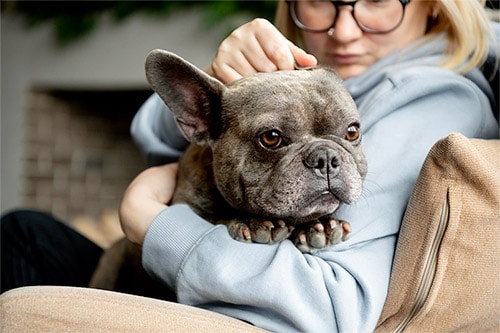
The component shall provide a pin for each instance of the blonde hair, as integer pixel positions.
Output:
(465, 22)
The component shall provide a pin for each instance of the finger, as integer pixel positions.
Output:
(229, 68)
(227, 74)
(302, 58)
(274, 46)
(257, 42)
(230, 63)
(258, 57)
(280, 51)
(253, 49)
(276, 56)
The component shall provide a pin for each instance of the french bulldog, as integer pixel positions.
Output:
(272, 155)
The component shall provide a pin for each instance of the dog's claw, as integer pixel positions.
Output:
(314, 236)
(239, 231)
(302, 238)
(301, 242)
(260, 231)
(317, 237)
(308, 237)
(347, 230)
(319, 227)
(268, 224)
(269, 232)
(246, 234)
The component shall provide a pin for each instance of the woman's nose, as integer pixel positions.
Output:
(345, 29)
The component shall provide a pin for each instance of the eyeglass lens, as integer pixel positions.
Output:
(371, 15)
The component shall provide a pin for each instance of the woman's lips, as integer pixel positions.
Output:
(345, 59)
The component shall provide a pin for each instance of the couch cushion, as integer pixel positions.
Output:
(71, 309)
(447, 264)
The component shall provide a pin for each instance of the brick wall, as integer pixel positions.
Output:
(79, 157)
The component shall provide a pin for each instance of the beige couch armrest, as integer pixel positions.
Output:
(445, 276)
(57, 309)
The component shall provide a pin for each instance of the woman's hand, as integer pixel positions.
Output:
(145, 198)
(256, 46)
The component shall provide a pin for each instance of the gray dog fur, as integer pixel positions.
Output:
(273, 155)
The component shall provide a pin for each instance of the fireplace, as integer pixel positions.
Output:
(78, 153)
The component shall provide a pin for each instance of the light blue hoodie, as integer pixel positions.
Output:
(406, 103)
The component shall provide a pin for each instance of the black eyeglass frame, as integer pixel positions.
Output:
(337, 4)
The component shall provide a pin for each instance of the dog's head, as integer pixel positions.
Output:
(285, 144)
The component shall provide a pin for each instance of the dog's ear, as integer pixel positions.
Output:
(192, 95)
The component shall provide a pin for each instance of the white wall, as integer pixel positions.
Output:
(111, 57)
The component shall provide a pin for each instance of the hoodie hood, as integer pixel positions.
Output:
(419, 55)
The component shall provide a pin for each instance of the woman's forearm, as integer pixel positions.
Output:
(147, 195)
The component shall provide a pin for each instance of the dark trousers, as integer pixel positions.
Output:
(37, 249)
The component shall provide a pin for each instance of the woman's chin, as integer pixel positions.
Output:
(346, 72)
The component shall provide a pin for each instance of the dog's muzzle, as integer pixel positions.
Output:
(323, 159)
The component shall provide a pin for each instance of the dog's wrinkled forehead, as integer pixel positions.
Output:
(316, 87)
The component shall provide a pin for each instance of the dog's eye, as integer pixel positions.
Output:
(271, 139)
(352, 133)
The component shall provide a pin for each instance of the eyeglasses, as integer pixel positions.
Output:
(373, 16)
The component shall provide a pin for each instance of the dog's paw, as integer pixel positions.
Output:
(260, 231)
(314, 236)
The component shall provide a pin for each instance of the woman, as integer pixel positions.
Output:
(411, 69)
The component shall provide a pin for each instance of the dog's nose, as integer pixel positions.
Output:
(324, 160)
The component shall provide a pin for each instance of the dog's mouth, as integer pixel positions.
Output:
(329, 198)
(323, 204)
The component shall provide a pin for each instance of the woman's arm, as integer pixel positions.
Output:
(145, 198)
(155, 131)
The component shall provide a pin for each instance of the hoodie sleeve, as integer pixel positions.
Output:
(155, 131)
(275, 287)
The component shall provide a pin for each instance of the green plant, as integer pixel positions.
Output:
(72, 20)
